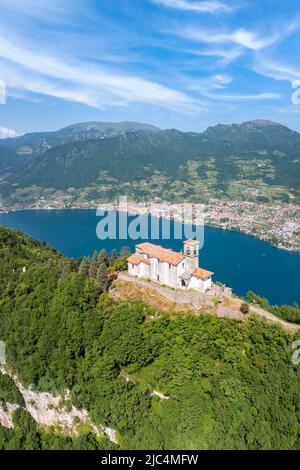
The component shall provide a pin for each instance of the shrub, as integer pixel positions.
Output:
(244, 308)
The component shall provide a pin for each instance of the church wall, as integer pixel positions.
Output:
(200, 284)
(133, 269)
(144, 270)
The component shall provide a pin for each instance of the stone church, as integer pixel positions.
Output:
(167, 267)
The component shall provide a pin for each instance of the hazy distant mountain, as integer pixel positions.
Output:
(39, 142)
(255, 136)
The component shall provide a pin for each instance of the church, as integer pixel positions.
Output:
(170, 268)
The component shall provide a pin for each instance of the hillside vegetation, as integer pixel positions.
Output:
(89, 162)
(230, 385)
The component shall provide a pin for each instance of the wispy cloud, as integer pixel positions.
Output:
(199, 7)
(189, 56)
(226, 56)
(203, 85)
(275, 70)
(221, 80)
(255, 97)
(54, 11)
(241, 37)
(84, 82)
(5, 132)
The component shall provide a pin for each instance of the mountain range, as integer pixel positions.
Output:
(38, 142)
(96, 159)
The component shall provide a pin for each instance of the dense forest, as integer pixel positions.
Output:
(230, 385)
(26, 435)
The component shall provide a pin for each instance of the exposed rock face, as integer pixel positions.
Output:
(49, 410)
(6, 413)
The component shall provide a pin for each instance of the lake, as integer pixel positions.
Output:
(242, 262)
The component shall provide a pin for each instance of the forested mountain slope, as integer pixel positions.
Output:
(155, 163)
(9, 160)
(230, 385)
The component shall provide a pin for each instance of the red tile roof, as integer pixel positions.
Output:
(136, 259)
(202, 273)
(191, 242)
(165, 255)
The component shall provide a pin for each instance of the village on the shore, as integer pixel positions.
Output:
(277, 223)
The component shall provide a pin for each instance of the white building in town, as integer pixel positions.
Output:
(165, 266)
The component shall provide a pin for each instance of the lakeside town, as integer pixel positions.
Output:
(277, 223)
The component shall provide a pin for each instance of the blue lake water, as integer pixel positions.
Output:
(243, 262)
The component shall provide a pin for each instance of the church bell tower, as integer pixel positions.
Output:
(191, 253)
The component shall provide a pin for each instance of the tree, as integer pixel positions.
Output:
(84, 266)
(101, 277)
(124, 251)
(257, 299)
(113, 256)
(94, 264)
(103, 257)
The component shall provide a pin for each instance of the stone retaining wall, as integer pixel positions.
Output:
(190, 297)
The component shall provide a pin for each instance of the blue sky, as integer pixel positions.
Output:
(174, 63)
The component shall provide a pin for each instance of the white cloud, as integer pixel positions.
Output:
(226, 56)
(221, 79)
(54, 11)
(200, 7)
(276, 71)
(84, 82)
(203, 85)
(241, 37)
(5, 132)
(256, 97)
(292, 109)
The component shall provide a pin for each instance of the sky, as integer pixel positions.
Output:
(185, 64)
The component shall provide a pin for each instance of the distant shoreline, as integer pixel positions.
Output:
(111, 206)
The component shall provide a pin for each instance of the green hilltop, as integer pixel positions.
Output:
(230, 385)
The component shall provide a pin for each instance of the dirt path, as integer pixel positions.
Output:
(292, 327)
(157, 393)
(165, 299)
